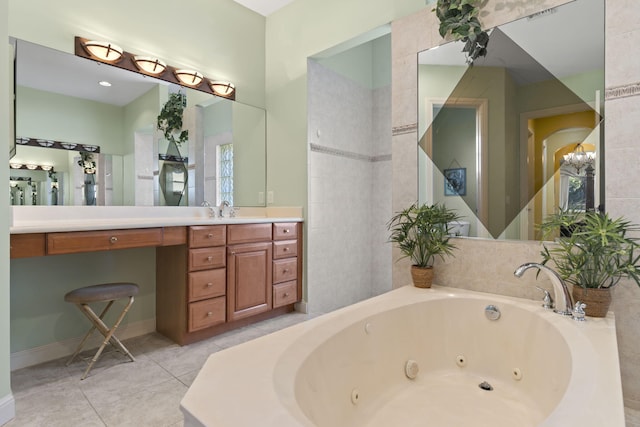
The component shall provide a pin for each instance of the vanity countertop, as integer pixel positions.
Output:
(45, 219)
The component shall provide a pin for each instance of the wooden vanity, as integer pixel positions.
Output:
(210, 278)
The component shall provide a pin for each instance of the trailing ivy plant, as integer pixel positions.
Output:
(460, 19)
(170, 119)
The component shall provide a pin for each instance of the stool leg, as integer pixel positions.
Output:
(89, 333)
(108, 333)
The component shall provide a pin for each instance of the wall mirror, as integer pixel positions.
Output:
(519, 134)
(77, 102)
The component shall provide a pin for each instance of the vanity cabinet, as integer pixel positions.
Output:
(191, 284)
(287, 266)
(249, 266)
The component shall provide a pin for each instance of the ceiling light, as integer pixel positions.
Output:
(190, 78)
(149, 65)
(104, 83)
(579, 158)
(32, 167)
(103, 51)
(221, 88)
(46, 167)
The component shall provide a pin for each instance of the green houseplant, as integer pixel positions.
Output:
(593, 252)
(170, 119)
(421, 232)
(459, 18)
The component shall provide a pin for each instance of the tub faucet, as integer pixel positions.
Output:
(564, 304)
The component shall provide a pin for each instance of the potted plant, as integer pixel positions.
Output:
(593, 252)
(170, 119)
(460, 19)
(422, 234)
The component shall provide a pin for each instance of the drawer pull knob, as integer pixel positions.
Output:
(209, 285)
(209, 236)
(285, 249)
(286, 230)
(286, 294)
(210, 313)
(209, 258)
(113, 239)
(286, 270)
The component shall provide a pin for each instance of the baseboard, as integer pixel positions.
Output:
(7, 409)
(301, 307)
(56, 350)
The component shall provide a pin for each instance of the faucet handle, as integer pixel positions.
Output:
(578, 311)
(547, 301)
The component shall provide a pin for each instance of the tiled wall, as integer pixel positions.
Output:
(486, 265)
(349, 190)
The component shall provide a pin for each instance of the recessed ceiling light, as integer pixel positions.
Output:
(104, 83)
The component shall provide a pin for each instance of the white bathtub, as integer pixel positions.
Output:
(347, 368)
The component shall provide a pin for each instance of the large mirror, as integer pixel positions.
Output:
(86, 134)
(518, 134)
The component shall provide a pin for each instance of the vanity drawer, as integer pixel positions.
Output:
(202, 236)
(172, 236)
(88, 241)
(285, 249)
(285, 293)
(205, 258)
(203, 314)
(248, 233)
(207, 284)
(27, 245)
(285, 270)
(285, 230)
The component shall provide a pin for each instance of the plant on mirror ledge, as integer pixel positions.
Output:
(460, 19)
(421, 232)
(593, 252)
(170, 119)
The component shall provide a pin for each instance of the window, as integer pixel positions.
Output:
(225, 173)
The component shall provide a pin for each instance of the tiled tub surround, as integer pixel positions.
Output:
(349, 189)
(347, 368)
(418, 32)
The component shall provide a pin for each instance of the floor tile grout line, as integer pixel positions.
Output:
(91, 405)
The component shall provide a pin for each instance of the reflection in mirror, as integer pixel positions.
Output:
(519, 134)
(63, 97)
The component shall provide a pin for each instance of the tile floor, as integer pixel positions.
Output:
(118, 392)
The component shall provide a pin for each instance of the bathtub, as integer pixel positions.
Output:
(418, 357)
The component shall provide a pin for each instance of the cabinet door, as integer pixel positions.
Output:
(249, 279)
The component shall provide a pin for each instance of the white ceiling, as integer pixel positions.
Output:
(264, 7)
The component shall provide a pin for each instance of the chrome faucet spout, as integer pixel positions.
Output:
(561, 292)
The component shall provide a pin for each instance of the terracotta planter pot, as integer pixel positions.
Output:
(422, 276)
(597, 300)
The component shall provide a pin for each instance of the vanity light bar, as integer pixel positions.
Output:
(31, 167)
(61, 145)
(154, 67)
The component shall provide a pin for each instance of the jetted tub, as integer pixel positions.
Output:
(418, 357)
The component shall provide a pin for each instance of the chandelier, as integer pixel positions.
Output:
(579, 158)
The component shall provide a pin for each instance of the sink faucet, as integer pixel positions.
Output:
(221, 209)
(564, 304)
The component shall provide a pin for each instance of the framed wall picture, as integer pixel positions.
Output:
(455, 182)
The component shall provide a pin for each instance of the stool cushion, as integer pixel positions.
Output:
(103, 292)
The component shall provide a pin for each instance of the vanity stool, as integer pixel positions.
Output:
(107, 292)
